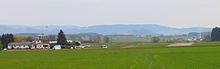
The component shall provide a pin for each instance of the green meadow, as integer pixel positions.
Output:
(118, 56)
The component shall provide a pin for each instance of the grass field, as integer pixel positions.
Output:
(118, 56)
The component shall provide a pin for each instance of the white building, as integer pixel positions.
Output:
(79, 47)
(28, 45)
(42, 46)
(22, 45)
(54, 42)
(57, 47)
(37, 41)
(104, 46)
(43, 37)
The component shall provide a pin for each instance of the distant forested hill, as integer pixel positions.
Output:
(139, 29)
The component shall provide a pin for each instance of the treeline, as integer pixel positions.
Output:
(215, 36)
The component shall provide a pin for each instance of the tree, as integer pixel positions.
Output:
(1, 46)
(215, 35)
(11, 37)
(61, 40)
(6, 39)
(106, 39)
(155, 39)
(28, 39)
(23, 38)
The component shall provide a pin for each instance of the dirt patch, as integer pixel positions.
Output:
(180, 44)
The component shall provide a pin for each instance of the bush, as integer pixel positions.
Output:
(155, 39)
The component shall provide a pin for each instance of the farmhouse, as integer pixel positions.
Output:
(20, 46)
(27, 45)
(79, 45)
(36, 44)
(42, 46)
(57, 47)
(55, 42)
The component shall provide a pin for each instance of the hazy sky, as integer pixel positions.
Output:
(175, 13)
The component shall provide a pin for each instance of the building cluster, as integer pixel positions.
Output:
(40, 42)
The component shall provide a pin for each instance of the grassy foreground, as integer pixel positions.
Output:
(202, 57)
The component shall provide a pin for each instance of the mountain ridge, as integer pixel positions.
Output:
(120, 29)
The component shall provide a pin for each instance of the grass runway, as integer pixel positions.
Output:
(145, 56)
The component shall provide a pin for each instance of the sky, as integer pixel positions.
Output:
(173, 13)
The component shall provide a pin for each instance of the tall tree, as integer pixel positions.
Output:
(215, 35)
(62, 38)
(3, 40)
(6, 39)
(11, 37)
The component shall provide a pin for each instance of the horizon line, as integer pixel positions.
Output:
(102, 25)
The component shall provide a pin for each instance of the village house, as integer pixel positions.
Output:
(57, 47)
(41, 45)
(27, 45)
(21, 46)
(42, 42)
(38, 43)
(55, 42)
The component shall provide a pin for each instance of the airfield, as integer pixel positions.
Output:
(202, 55)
